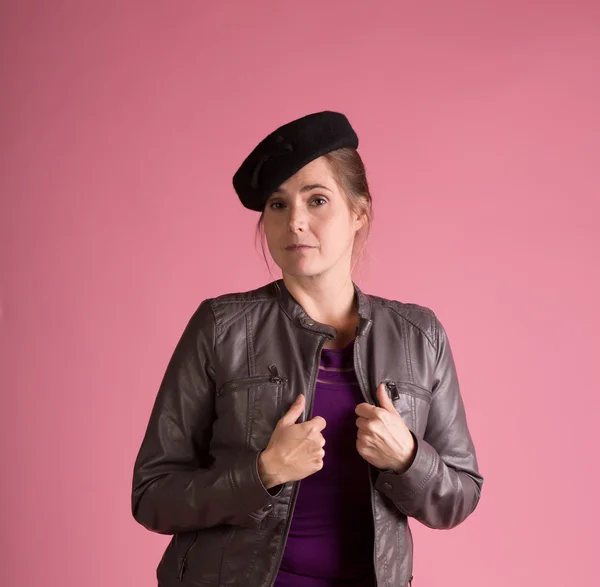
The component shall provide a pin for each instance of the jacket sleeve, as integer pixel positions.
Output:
(175, 486)
(442, 486)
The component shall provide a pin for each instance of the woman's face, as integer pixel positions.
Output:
(309, 228)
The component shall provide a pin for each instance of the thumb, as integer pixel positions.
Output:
(294, 412)
(384, 399)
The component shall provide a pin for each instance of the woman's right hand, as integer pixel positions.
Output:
(295, 451)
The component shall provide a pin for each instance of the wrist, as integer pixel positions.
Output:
(404, 466)
(266, 471)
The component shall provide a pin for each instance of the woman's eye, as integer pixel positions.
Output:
(280, 205)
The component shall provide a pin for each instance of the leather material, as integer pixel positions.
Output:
(239, 365)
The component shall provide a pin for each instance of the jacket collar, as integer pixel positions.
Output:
(299, 316)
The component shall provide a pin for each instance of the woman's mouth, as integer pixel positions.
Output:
(297, 247)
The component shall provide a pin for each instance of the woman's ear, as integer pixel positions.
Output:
(359, 221)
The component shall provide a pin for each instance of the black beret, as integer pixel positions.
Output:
(286, 150)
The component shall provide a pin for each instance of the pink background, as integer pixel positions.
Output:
(121, 126)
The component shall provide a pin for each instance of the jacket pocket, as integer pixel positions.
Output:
(198, 556)
(240, 384)
(183, 553)
(412, 403)
(247, 411)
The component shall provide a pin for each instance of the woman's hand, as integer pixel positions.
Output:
(383, 439)
(295, 451)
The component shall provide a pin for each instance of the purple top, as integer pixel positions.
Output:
(331, 539)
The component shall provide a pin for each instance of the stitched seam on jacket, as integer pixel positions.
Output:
(210, 303)
(413, 384)
(251, 400)
(414, 325)
(233, 318)
(228, 540)
(360, 368)
(233, 486)
(250, 397)
(408, 358)
(217, 314)
(250, 344)
(426, 480)
(242, 300)
(252, 563)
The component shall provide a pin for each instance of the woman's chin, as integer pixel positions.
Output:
(299, 270)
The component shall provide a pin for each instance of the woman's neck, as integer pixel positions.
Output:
(329, 302)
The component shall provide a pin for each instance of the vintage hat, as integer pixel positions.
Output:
(286, 150)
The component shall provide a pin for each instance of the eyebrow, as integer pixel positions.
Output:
(307, 188)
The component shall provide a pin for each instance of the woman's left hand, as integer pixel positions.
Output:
(383, 439)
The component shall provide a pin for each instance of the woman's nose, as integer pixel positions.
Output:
(297, 219)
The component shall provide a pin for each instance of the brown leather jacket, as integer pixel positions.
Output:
(237, 368)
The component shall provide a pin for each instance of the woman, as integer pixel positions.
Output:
(299, 425)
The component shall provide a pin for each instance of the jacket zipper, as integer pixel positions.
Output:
(183, 561)
(409, 390)
(274, 378)
(362, 389)
(297, 483)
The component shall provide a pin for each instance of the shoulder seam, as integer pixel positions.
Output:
(222, 325)
(214, 335)
(427, 336)
(241, 300)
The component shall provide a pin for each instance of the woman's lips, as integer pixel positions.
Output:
(298, 247)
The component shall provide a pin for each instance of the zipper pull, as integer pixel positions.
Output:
(392, 387)
(275, 376)
(182, 568)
